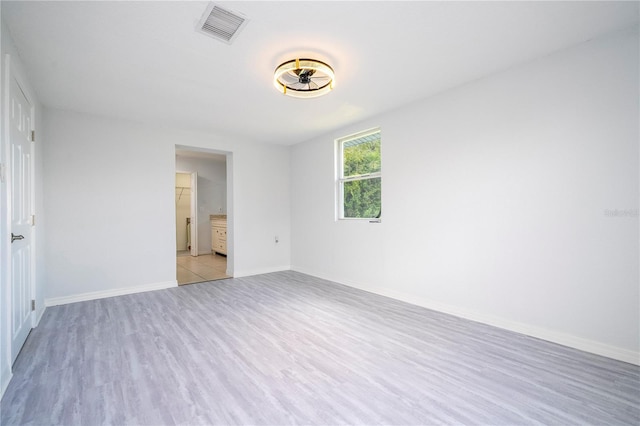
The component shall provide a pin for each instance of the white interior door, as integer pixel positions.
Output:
(194, 214)
(20, 113)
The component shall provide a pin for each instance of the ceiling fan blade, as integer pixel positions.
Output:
(321, 81)
(289, 78)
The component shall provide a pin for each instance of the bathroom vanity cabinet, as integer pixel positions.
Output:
(218, 233)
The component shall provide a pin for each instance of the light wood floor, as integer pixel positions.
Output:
(287, 348)
(197, 269)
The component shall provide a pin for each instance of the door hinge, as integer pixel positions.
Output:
(33, 136)
(33, 220)
(33, 304)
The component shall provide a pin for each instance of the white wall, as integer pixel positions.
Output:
(495, 200)
(95, 166)
(38, 233)
(212, 193)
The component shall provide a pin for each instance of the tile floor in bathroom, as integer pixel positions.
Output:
(207, 267)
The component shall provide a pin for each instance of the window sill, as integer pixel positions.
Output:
(359, 219)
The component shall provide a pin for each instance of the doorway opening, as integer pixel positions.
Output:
(202, 215)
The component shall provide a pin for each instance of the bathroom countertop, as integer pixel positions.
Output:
(217, 216)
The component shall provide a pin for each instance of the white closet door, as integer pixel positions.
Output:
(20, 112)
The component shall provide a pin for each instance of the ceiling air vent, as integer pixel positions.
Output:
(221, 23)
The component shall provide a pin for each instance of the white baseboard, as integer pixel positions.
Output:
(571, 341)
(248, 273)
(39, 314)
(108, 293)
(6, 376)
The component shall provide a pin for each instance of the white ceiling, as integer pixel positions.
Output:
(144, 60)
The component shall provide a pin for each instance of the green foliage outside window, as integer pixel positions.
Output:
(362, 197)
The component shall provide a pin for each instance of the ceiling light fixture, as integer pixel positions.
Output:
(304, 78)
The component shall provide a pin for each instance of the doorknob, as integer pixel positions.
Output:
(16, 237)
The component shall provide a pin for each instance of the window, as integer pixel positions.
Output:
(359, 176)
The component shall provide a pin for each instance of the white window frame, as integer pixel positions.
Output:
(340, 179)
